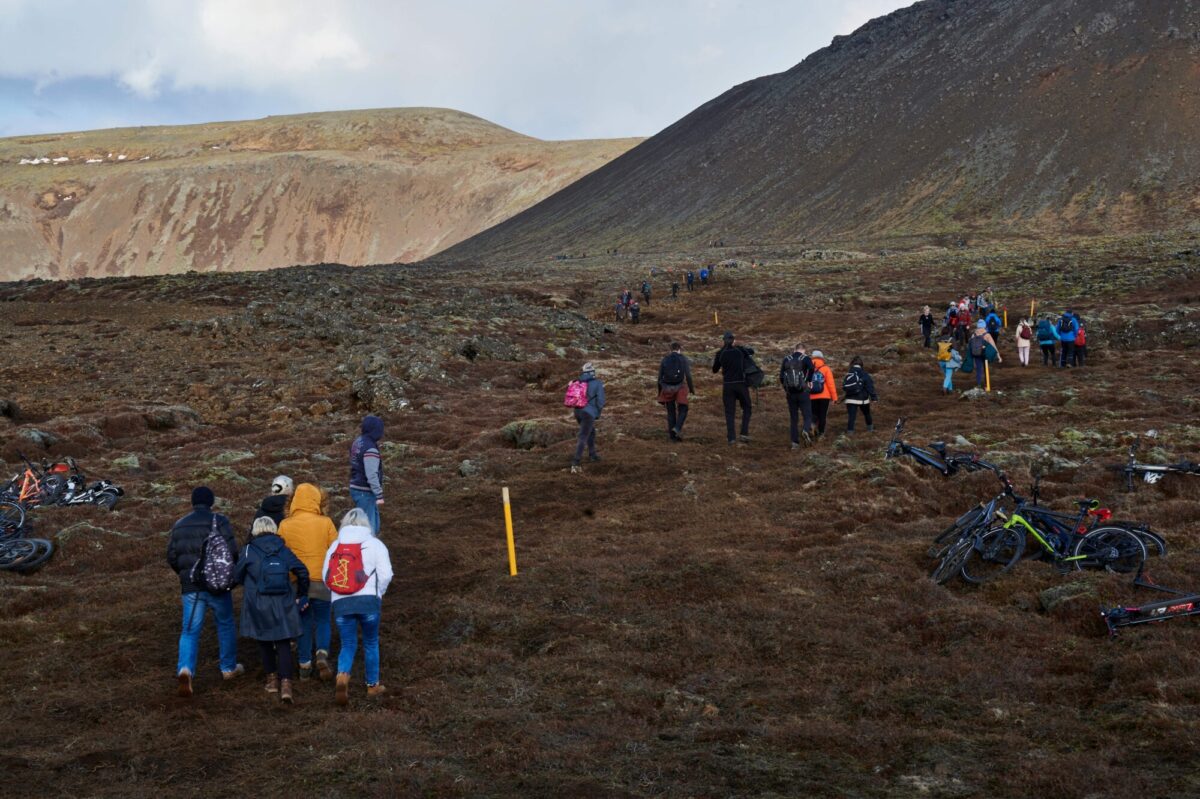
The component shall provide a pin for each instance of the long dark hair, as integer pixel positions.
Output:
(856, 361)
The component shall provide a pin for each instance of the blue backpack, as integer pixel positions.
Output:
(818, 381)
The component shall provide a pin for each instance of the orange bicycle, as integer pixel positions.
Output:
(36, 485)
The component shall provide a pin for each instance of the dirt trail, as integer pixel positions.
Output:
(690, 619)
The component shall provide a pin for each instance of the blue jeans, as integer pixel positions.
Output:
(348, 630)
(948, 371)
(195, 605)
(366, 501)
(316, 616)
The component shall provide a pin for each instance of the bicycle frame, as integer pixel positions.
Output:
(1151, 473)
(948, 465)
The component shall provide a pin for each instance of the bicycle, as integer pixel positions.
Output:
(1181, 604)
(1150, 473)
(947, 464)
(36, 485)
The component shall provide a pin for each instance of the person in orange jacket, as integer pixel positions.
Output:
(824, 391)
(308, 533)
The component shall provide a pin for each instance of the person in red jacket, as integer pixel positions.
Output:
(824, 391)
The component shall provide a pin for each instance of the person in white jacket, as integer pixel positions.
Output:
(357, 572)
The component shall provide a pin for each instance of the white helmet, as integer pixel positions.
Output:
(281, 485)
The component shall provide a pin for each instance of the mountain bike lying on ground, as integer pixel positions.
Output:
(1181, 603)
(936, 456)
(980, 550)
(1150, 473)
(59, 483)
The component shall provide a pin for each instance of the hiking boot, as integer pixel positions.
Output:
(732, 442)
(576, 469)
(744, 439)
(272, 686)
(870, 428)
(323, 669)
(285, 691)
(306, 670)
(795, 445)
(238, 671)
(376, 690)
(594, 457)
(806, 437)
(678, 435)
(341, 693)
(185, 684)
(671, 435)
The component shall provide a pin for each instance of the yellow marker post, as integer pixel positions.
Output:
(716, 319)
(1006, 317)
(512, 547)
(987, 376)
(1032, 305)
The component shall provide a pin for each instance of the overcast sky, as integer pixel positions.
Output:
(556, 69)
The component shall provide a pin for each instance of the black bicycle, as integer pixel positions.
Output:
(1150, 473)
(936, 456)
(1180, 604)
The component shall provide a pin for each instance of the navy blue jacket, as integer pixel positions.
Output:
(270, 617)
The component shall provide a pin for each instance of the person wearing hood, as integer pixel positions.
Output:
(309, 533)
(823, 391)
(587, 416)
(275, 505)
(366, 470)
(859, 391)
(357, 570)
(271, 605)
(184, 547)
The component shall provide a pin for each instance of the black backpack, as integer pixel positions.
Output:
(852, 384)
(977, 345)
(673, 372)
(1064, 324)
(272, 574)
(794, 377)
(751, 370)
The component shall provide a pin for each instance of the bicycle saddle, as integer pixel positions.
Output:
(939, 447)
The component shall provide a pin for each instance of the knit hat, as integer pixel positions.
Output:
(818, 354)
(588, 367)
(282, 485)
(203, 495)
(981, 325)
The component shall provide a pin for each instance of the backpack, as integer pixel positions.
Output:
(673, 374)
(1024, 332)
(1080, 337)
(852, 383)
(213, 570)
(272, 577)
(346, 574)
(793, 374)
(977, 345)
(818, 382)
(993, 324)
(576, 396)
(944, 348)
(1064, 325)
(751, 370)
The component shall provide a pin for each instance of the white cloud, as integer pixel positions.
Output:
(550, 68)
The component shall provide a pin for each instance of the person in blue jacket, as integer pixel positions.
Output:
(1047, 339)
(994, 324)
(587, 417)
(1068, 327)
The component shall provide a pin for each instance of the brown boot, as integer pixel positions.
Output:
(272, 683)
(185, 684)
(376, 690)
(323, 669)
(341, 694)
(285, 691)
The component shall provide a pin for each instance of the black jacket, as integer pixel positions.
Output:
(731, 363)
(187, 540)
(274, 507)
(668, 364)
(926, 323)
(270, 617)
(866, 389)
(806, 366)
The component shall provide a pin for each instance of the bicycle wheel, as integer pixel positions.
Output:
(53, 488)
(1112, 549)
(12, 518)
(1156, 545)
(992, 554)
(13, 553)
(949, 537)
(44, 550)
(952, 562)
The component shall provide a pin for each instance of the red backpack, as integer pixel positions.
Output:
(576, 394)
(346, 574)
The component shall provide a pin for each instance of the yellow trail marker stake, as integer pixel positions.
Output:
(987, 375)
(1006, 317)
(512, 547)
(1032, 303)
(716, 320)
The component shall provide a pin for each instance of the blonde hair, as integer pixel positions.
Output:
(263, 525)
(355, 517)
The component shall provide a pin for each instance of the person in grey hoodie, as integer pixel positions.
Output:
(366, 470)
(587, 416)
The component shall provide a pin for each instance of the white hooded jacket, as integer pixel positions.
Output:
(376, 563)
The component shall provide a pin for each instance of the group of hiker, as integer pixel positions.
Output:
(627, 307)
(961, 347)
(809, 385)
(298, 573)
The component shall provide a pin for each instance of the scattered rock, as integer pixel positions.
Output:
(469, 468)
(130, 462)
(529, 433)
(962, 441)
(322, 408)
(1052, 598)
(39, 438)
(233, 456)
(9, 409)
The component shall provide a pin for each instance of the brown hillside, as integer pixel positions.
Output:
(1012, 116)
(352, 187)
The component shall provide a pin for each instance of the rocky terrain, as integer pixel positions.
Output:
(356, 187)
(690, 619)
(948, 118)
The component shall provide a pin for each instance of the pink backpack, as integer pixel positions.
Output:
(576, 394)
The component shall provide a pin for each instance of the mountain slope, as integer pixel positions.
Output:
(350, 187)
(1008, 115)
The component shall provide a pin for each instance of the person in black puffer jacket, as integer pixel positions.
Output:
(731, 361)
(184, 547)
(859, 391)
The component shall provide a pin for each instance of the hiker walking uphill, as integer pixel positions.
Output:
(366, 470)
(983, 349)
(358, 570)
(1047, 339)
(271, 607)
(674, 385)
(1024, 337)
(691, 280)
(1068, 328)
(858, 390)
(202, 551)
(1080, 342)
(949, 360)
(737, 368)
(823, 392)
(795, 375)
(994, 323)
(646, 291)
(308, 533)
(926, 323)
(586, 396)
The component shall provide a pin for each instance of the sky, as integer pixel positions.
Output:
(555, 69)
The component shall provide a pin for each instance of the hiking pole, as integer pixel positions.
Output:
(508, 530)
